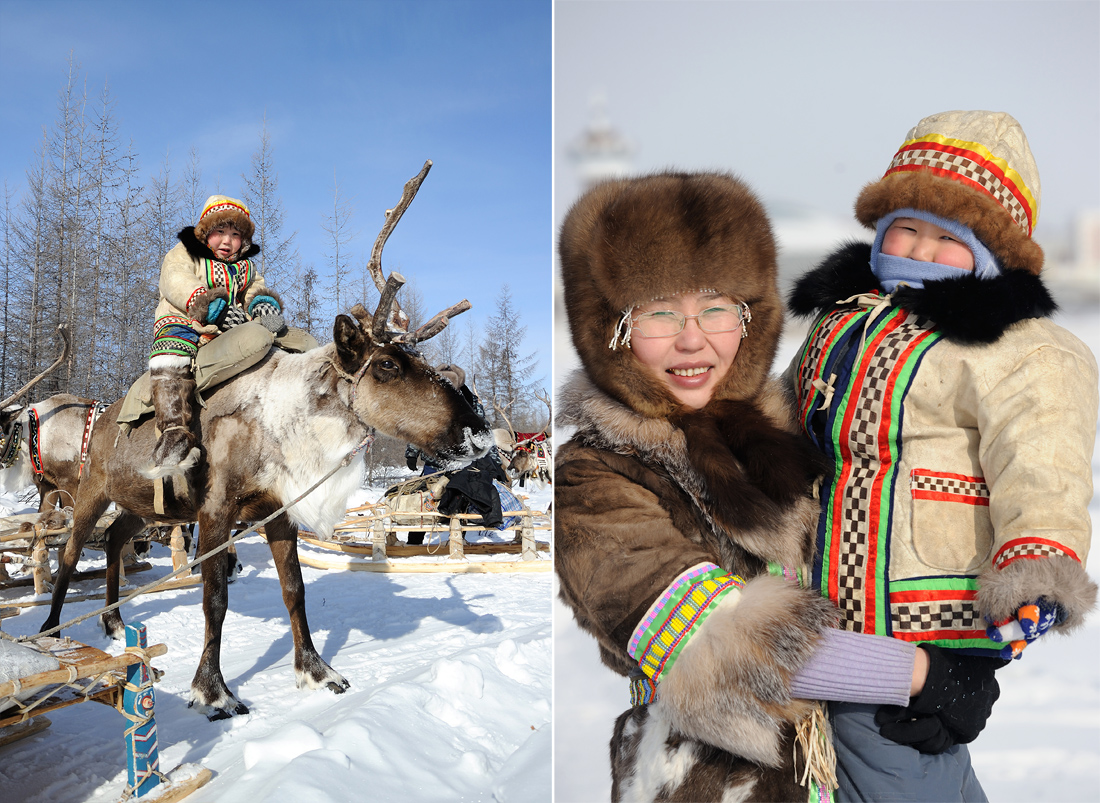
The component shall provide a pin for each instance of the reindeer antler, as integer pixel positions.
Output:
(544, 397)
(387, 288)
(63, 331)
(433, 327)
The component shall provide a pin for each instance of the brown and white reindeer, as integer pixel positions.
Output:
(269, 434)
(24, 437)
(52, 433)
(526, 455)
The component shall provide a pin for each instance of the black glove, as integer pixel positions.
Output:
(953, 707)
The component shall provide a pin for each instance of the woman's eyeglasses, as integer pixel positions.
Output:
(667, 322)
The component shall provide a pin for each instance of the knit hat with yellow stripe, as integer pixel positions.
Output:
(220, 210)
(975, 167)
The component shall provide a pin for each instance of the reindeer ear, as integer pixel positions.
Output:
(350, 341)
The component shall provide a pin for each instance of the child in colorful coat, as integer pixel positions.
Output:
(208, 284)
(959, 423)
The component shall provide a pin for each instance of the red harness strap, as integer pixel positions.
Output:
(94, 411)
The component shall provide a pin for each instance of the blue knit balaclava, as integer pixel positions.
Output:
(892, 271)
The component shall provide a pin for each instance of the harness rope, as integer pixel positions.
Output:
(145, 589)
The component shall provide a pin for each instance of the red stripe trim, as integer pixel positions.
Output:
(923, 472)
(929, 635)
(939, 496)
(1022, 541)
(927, 595)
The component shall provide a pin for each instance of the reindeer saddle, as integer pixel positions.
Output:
(224, 357)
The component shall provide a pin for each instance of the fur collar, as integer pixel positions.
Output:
(739, 465)
(967, 310)
(199, 250)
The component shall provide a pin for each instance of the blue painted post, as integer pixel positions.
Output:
(142, 758)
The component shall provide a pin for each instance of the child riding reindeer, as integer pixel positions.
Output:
(208, 284)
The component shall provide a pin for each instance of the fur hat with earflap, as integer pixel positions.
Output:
(629, 241)
(220, 210)
(971, 167)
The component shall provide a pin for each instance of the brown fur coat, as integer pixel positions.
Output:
(639, 501)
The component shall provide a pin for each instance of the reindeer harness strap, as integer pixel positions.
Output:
(352, 378)
(94, 412)
(34, 440)
(10, 443)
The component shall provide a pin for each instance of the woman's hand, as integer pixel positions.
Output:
(920, 672)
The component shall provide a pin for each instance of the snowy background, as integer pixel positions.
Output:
(1042, 742)
(449, 699)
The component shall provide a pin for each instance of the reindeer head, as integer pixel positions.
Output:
(394, 388)
(397, 392)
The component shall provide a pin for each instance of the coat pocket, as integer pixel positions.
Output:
(951, 528)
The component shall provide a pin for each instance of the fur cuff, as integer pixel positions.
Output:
(199, 304)
(253, 297)
(730, 687)
(1058, 578)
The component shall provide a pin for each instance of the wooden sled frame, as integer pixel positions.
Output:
(23, 541)
(122, 681)
(379, 525)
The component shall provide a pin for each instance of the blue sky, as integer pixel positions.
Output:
(358, 93)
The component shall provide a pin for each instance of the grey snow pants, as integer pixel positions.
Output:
(870, 767)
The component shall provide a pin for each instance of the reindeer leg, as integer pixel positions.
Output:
(209, 694)
(310, 669)
(46, 502)
(121, 530)
(84, 519)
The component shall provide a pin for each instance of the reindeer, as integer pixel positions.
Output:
(17, 469)
(268, 434)
(49, 457)
(518, 449)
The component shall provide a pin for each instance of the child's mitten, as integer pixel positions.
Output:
(959, 693)
(1031, 621)
(216, 311)
(265, 310)
(234, 316)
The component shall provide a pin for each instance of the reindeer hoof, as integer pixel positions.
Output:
(338, 688)
(214, 713)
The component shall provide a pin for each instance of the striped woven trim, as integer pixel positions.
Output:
(191, 298)
(1031, 548)
(643, 690)
(792, 574)
(970, 163)
(218, 206)
(169, 320)
(663, 632)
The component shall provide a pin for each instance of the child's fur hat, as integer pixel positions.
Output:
(220, 210)
(975, 167)
(628, 241)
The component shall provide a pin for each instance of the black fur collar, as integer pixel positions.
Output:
(966, 310)
(200, 250)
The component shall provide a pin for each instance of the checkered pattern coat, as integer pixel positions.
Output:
(959, 422)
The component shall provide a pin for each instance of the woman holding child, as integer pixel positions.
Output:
(688, 536)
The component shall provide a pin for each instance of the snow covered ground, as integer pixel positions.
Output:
(449, 700)
(1042, 742)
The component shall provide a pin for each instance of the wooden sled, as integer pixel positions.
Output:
(367, 541)
(121, 681)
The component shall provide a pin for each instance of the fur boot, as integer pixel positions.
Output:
(173, 387)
